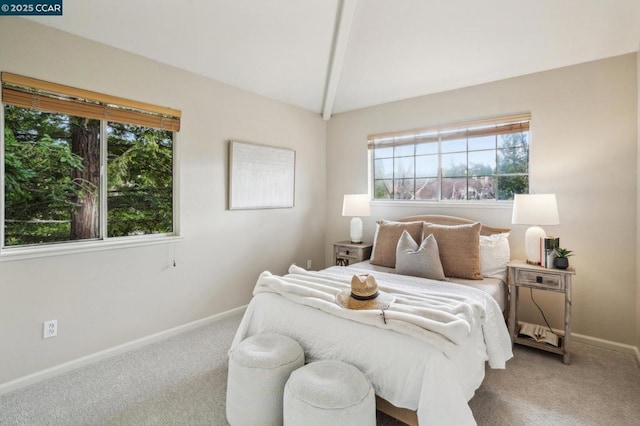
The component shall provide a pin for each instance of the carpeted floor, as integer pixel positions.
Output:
(182, 381)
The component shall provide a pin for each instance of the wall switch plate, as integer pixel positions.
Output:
(309, 264)
(50, 329)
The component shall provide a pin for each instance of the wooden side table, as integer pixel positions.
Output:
(346, 252)
(522, 274)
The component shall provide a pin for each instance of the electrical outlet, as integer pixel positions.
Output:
(309, 264)
(50, 329)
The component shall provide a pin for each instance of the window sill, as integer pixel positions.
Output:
(502, 205)
(32, 252)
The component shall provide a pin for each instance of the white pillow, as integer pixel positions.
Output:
(423, 261)
(494, 255)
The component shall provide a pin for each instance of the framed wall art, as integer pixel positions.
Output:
(260, 176)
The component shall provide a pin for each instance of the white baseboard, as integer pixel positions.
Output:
(108, 353)
(607, 344)
(602, 343)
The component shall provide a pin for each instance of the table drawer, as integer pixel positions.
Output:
(540, 279)
(348, 254)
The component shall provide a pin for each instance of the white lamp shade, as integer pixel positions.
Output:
(535, 209)
(356, 205)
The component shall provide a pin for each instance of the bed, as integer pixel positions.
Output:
(425, 355)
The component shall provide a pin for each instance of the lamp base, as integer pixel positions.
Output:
(356, 230)
(532, 244)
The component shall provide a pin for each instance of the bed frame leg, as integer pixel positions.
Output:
(403, 414)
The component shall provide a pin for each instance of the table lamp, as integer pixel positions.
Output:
(535, 210)
(356, 205)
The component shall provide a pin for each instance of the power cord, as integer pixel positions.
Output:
(542, 313)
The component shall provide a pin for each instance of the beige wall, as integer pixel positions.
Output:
(107, 298)
(638, 221)
(583, 148)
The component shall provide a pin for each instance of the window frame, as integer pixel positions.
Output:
(434, 135)
(104, 242)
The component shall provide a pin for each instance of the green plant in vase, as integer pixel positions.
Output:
(562, 258)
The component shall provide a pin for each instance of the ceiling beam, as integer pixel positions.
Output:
(344, 21)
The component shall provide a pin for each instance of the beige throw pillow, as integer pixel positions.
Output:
(459, 248)
(386, 240)
(423, 261)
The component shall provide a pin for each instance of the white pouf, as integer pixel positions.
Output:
(258, 370)
(328, 393)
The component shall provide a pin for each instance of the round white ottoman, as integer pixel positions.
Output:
(328, 393)
(258, 370)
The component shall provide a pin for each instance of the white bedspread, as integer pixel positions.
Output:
(422, 359)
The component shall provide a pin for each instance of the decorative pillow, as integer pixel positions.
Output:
(459, 248)
(386, 240)
(494, 255)
(423, 261)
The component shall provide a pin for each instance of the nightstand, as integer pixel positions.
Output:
(346, 252)
(522, 274)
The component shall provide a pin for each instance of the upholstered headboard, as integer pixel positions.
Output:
(453, 220)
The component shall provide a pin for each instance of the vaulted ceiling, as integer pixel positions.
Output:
(331, 56)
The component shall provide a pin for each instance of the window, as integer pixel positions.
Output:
(485, 160)
(81, 166)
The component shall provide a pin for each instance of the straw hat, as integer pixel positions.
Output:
(364, 294)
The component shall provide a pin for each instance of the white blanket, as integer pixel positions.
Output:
(443, 320)
(407, 371)
(490, 320)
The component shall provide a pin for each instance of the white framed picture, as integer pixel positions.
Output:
(261, 176)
